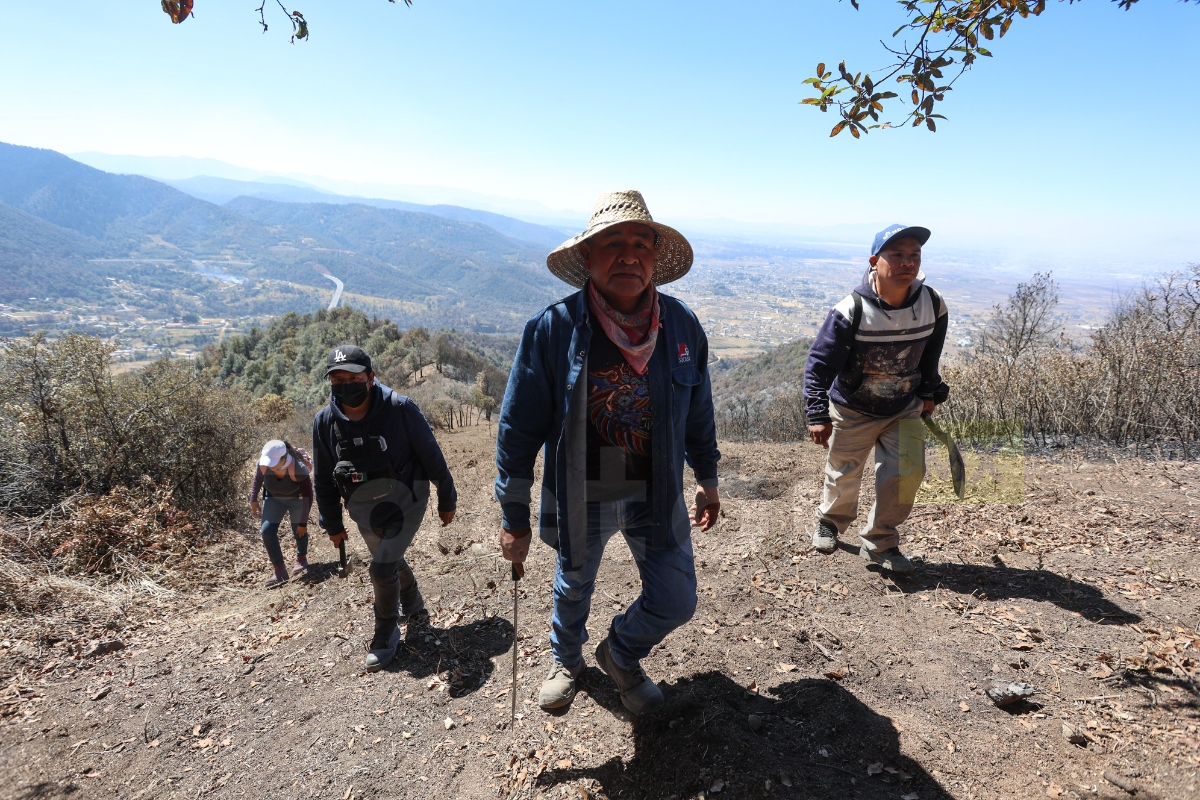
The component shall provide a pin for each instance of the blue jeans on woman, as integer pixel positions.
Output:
(668, 597)
(273, 509)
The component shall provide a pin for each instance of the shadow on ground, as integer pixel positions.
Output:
(46, 790)
(813, 735)
(460, 654)
(1001, 582)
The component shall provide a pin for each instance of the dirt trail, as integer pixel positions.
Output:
(801, 676)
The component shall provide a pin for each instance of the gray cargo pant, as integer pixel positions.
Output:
(899, 444)
(388, 515)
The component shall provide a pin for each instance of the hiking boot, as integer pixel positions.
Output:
(891, 559)
(413, 610)
(825, 538)
(558, 689)
(383, 646)
(280, 578)
(638, 692)
(301, 565)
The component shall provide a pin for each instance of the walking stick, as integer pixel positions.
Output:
(512, 720)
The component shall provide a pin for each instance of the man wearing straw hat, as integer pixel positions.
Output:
(613, 382)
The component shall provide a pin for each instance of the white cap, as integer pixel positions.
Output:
(273, 452)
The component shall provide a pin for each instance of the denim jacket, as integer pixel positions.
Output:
(545, 405)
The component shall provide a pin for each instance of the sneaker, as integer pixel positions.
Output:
(638, 692)
(281, 576)
(301, 565)
(891, 559)
(558, 689)
(825, 538)
(383, 646)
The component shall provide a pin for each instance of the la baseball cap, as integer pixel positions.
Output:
(348, 357)
(885, 236)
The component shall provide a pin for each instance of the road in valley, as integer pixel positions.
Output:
(337, 293)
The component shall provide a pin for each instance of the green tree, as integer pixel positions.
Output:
(942, 40)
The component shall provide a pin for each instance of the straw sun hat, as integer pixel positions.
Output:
(672, 253)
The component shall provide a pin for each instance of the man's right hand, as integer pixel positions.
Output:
(820, 434)
(255, 508)
(338, 538)
(514, 546)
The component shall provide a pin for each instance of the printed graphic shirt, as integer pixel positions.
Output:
(878, 369)
(619, 413)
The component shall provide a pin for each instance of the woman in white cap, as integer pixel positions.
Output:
(286, 483)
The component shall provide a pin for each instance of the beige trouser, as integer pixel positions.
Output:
(899, 469)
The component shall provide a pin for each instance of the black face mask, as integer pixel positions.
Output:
(350, 394)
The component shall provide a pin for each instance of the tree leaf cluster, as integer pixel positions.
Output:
(940, 41)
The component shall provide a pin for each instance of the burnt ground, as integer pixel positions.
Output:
(801, 676)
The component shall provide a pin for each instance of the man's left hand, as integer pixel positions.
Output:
(929, 406)
(446, 517)
(706, 509)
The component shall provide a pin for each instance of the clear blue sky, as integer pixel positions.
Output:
(693, 102)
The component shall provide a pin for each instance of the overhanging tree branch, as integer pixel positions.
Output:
(179, 10)
(948, 42)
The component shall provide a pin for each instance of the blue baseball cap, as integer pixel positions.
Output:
(885, 236)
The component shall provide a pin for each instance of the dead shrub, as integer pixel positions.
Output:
(119, 533)
(271, 409)
(69, 426)
(1133, 382)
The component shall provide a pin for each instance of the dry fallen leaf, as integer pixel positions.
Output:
(753, 687)
(950, 745)
(1055, 790)
(563, 764)
(964, 706)
(875, 768)
(785, 668)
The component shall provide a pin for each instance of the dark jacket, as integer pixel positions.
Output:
(891, 359)
(545, 406)
(411, 449)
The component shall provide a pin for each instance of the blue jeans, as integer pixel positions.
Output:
(273, 509)
(668, 597)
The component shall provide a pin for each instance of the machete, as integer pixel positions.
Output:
(958, 470)
(344, 562)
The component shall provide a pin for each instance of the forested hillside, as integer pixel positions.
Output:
(447, 372)
(760, 397)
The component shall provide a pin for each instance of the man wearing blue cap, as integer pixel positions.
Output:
(872, 371)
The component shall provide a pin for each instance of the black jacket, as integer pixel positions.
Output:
(411, 450)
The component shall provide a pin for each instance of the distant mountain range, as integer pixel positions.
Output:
(222, 190)
(72, 234)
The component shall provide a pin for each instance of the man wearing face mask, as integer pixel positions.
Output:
(374, 451)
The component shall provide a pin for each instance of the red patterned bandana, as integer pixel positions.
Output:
(634, 334)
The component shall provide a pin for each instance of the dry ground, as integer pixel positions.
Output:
(801, 676)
